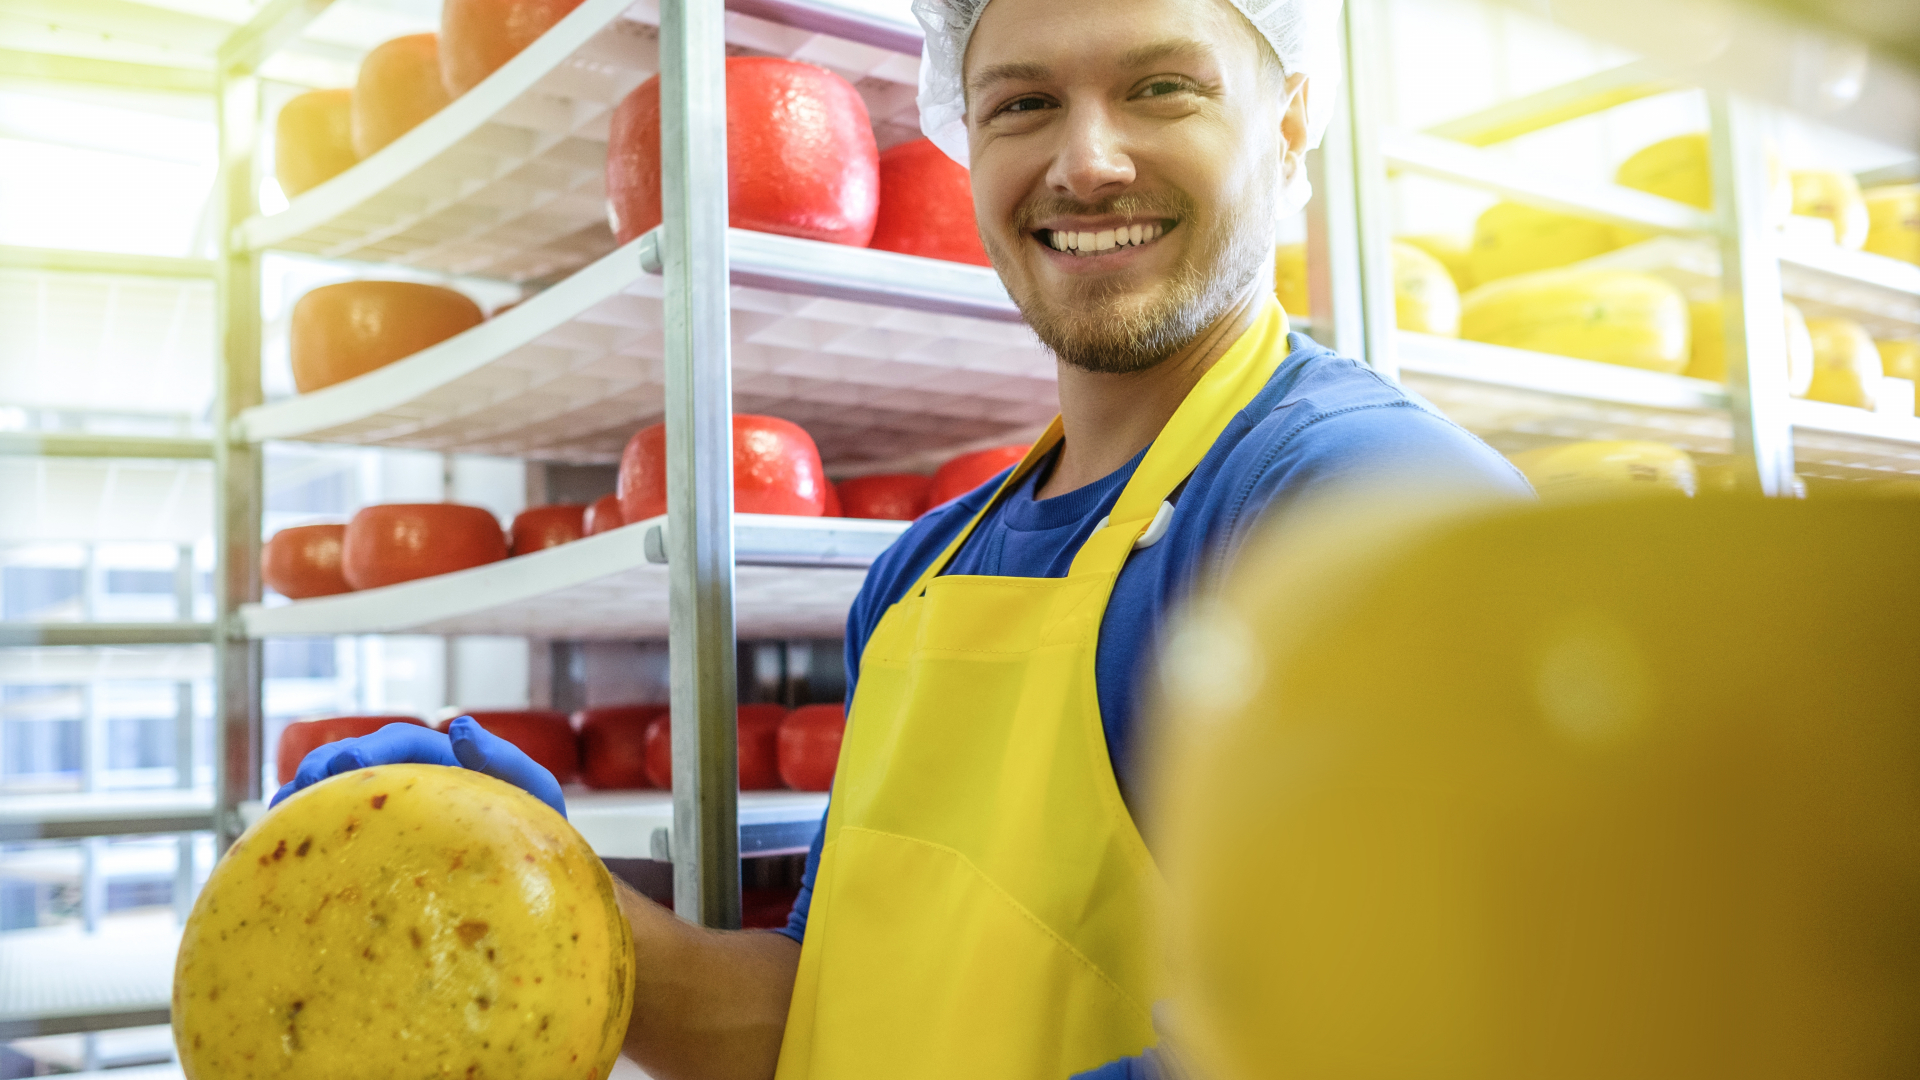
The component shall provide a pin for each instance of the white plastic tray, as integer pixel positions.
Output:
(639, 824)
(881, 356)
(508, 181)
(605, 588)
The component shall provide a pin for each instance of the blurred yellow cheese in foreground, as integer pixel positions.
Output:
(1584, 470)
(1425, 299)
(1710, 345)
(1612, 316)
(1513, 238)
(1637, 796)
(1835, 196)
(1893, 215)
(405, 921)
(1846, 366)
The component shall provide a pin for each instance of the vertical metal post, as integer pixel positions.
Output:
(1750, 297)
(93, 883)
(93, 740)
(1349, 259)
(237, 467)
(183, 583)
(183, 878)
(693, 243)
(183, 748)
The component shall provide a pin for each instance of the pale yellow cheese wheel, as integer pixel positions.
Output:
(1893, 221)
(1612, 316)
(400, 922)
(1425, 299)
(1513, 238)
(1846, 366)
(1451, 251)
(1680, 169)
(1607, 468)
(1834, 196)
(1709, 359)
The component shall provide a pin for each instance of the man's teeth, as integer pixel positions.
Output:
(1088, 243)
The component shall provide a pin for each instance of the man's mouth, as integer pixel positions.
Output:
(1084, 244)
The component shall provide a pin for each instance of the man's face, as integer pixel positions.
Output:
(1126, 159)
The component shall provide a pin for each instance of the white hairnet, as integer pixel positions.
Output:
(1304, 35)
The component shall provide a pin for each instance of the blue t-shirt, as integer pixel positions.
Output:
(1322, 419)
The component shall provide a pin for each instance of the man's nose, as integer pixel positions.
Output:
(1091, 161)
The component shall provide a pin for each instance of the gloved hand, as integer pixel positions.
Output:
(464, 745)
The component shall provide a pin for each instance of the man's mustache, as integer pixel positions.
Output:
(1133, 206)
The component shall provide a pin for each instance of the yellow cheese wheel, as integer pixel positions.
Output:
(1900, 358)
(1453, 254)
(1513, 238)
(1425, 299)
(1893, 221)
(1834, 196)
(1607, 468)
(1612, 316)
(1710, 346)
(1846, 366)
(1679, 169)
(405, 921)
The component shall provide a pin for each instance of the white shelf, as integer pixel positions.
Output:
(508, 181)
(639, 824)
(1823, 279)
(57, 979)
(797, 579)
(1516, 399)
(1834, 440)
(880, 356)
(104, 813)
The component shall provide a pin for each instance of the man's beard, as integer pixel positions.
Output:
(1106, 328)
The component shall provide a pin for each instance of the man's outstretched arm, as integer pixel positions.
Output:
(707, 1004)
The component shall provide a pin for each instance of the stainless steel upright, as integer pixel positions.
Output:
(237, 672)
(699, 392)
(1751, 309)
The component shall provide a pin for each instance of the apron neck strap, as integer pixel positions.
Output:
(1228, 387)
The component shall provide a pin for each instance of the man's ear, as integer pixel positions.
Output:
(1293, 119)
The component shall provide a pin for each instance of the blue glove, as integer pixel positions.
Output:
(465, 745)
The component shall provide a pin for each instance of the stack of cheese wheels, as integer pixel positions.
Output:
(1513, 238)
(801, 160)
(313, 140)
(1612, 316)
(1893, 222)
(613, 745)
(542, 527)
(1832, 196)
(345, 330)
(884, 496)
(397, 542)
(405, 920)
(776, 470)
(1425, 298)
(1680, 169)
(1709, 358)
(399, 87)
(1846, 365)
(968, 471)
(926, 205)
(1604, 469)
(478, 36)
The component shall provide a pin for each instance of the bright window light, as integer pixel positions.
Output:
(90, 200)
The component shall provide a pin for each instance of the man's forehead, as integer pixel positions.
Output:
(1021, 35)
(1145, 55)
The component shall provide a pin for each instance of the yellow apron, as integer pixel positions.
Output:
(984, 905)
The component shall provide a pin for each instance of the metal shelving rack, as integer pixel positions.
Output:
(889, 360)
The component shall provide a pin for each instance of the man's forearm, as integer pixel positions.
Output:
(707, 1004)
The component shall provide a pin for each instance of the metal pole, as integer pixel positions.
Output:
(1372, 215)
(237, 468)
(1333, 241)
(693, 243)
(1753, 318)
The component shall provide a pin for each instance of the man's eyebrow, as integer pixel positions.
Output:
(1025, 71)
(1147, 55)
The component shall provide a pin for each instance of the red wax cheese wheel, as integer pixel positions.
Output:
(613, 745)
(801, 160)
(399, 86)
(345, 330)
(810, 746)
(313, 140)
(304, 561)
(776, 470)
(969, 471)
(604, 515)
(887, 496)
(302, 737)
(543, 734)
(403, 541)
(926, 206)
(835, 508)
(543, 527)
(766, 909)
(759, 748)
(478, 36)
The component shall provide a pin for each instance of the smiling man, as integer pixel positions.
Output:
(979, 902)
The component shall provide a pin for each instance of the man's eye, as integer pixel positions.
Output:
(1026, 104)
(1162, 88)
